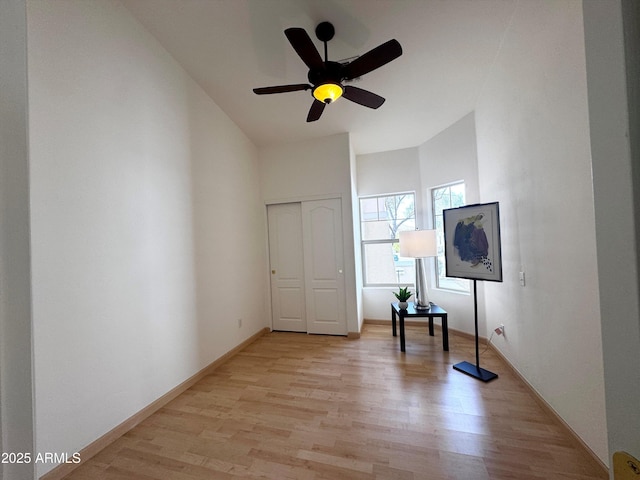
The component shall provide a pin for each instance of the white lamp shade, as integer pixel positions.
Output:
(418, 243)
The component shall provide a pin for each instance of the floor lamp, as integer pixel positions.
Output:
(419, 244)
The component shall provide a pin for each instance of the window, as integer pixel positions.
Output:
(381, 218)
(449, 196)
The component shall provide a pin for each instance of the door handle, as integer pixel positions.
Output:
(273, 272)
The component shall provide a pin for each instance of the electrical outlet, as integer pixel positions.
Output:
(522, 281)
(500, 330)
(239, 323)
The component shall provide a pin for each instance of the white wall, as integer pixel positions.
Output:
(313, 169)
(534, 158)
(309, 169)
(16, 396)
(389, 172)
(614, 104)
(448, 157)
(378, 174)
(146, 222)
(355, 212)
(451, 156)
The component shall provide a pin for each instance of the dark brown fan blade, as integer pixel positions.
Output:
(315, 111)
(304, 47)
(379, 56)
(281, 89)
(362, 97)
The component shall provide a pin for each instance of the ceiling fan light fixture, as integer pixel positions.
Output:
(328, 92)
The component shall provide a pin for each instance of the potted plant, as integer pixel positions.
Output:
(403, 296)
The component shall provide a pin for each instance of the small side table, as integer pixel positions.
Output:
(411, 311)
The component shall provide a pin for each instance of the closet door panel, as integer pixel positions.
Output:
(287, 267)
(324, 266)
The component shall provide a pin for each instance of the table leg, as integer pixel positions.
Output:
(445, 333)
(402, 348)
(393, 321)
(431, 326)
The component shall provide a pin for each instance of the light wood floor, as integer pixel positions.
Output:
(295, 406)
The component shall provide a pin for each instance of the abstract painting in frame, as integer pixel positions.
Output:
(472, 242)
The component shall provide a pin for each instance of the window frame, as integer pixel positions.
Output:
(391, 241)
(454, 285)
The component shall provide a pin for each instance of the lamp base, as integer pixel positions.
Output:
(421, 300)
(475, 371)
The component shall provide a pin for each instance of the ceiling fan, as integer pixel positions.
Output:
(327, 77)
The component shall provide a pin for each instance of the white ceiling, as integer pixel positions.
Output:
(231, 46)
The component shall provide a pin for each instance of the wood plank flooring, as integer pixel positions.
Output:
(296, 406)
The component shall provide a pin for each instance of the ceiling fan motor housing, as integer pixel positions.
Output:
(330, 74)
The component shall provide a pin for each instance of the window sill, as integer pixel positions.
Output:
(389, 285)
(446, 290)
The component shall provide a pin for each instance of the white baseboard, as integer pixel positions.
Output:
(108, 438)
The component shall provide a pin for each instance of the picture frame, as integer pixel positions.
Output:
(472, 245)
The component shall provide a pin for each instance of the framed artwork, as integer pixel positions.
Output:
(472, 242)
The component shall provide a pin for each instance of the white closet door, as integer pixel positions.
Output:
(324, 266)
(287, 270)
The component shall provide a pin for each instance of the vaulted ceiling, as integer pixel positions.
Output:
(230, 47)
